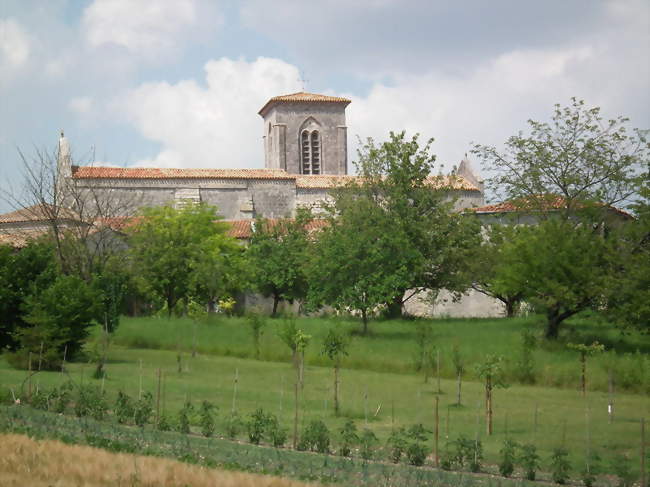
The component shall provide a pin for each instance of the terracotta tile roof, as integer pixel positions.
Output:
(20, 238)
(242, 229)
(37, 213)
(550, 203)
(98, 172)
(302, 97)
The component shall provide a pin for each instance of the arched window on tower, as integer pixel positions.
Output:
(315, 152)
(310, 152)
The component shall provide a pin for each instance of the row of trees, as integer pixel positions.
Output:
(382, 239)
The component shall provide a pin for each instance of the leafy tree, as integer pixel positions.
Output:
(577, 156)
(256, 323)
(628, 292)
(585, 351)
(431, 242)
(276, 256)
(172, 248)
(349, 438)
(488, 269)
(491, 371)
(335, 346)
(559, 267)
(353, 265)
(459, 367)
(22, 273)
(59, 317)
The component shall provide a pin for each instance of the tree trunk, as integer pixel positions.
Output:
(364, 318)
(170, 305)
(394, 307)
(583, 378)
(460, 377)
(552, 324)
(510, 308)
(336, 389)
(488, 403)
(276, 301)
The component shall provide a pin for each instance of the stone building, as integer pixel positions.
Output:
(305, 157)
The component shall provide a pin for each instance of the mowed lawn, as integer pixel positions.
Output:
(391, 345)
(386, 399)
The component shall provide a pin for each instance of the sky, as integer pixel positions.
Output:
(178, 83)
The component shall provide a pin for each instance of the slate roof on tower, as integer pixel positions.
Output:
(302, 97)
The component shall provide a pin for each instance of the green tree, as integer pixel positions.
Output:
(434, 241)
(172, 248)
(587, 161)
(352, 267)
(488, 268)
(491, 371)
(335, 346)
(22, 273)
(59, 318)
(276, 256)
(559, 267)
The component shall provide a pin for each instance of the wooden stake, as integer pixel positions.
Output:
(40, 357)
(610, 404)
(140, 390)
(29, 378)
(158, 397)
(644, 480)
(437, 432)
(65, 351)
(365, 405)
(447, 424)
(438, 369)
(234, 391)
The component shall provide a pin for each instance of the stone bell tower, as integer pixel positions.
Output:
(305, 133)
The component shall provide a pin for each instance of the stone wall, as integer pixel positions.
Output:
(471, 305)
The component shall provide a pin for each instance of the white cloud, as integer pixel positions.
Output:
(150, 29)
(14, 44)
(215, 125)
(81, 105)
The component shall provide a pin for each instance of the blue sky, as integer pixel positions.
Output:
(178, 83)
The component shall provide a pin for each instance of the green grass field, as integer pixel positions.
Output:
(391, 346)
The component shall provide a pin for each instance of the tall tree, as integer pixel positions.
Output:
(397, 177)
(577, 156)
(335, 346)
(276, 257)
(169, 247)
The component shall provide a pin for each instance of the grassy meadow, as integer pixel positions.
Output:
(391, 345)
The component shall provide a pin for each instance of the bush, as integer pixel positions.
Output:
(275, 433)
(397, 445)
(416, 450)
(507, 462)
(349, 438)
(91, 402)
(256, 426)
(623, 470)
(315, 437)
(525, 366)
(206, 418)
(368, 442)
(163, 423)
(143, 409)
(591, 470)
(529, 460)
(124, 409)
(233, 425)
(184, 418)
(560, 466)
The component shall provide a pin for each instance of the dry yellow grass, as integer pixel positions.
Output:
(46, 463)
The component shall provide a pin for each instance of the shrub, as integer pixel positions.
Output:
(623, 470)
(40, 400)
(525, 366)
(163, 423)
(184, 418)
(397, 445)
(124, 410)
(206, 418)
(60, 398)
(416, 450)
(529, 460)
(233, 425)
(349, 438)
(368, 442)
(560, 466)
(507, 462)
(591, 470)
(143, 409)
(275, 433)
(90, 402)
(316, 437)
(256, 426)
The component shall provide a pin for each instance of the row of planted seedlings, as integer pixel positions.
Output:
(408, 445)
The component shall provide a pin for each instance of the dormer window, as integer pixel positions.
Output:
(310, 152)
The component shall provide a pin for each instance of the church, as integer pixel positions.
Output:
(305, 156)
